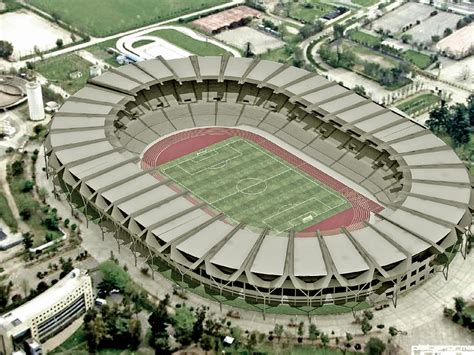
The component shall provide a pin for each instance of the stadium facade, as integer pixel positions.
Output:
(98, 138)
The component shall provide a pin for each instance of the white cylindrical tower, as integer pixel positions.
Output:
(35, 100)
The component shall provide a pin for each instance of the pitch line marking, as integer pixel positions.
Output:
(280, 161)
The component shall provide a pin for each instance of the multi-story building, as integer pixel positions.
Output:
(47, 314)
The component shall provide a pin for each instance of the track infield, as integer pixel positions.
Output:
(253, 186)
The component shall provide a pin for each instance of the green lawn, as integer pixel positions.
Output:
(187, 43)
(245, 182)
(364, 2)
(141, 42)
(365, 38)
(6, 214)
(76, 342)
(100, 51)
(418, 103)
(421, 60)
(107, 17)
(57, 70)
(35, 222)
(277, 55)
(306, 14)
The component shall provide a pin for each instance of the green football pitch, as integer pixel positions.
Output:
(253, 186)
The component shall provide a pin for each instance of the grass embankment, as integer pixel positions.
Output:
(107, 17)
(6, 214)
(365, 38)
(141, 43)
(187, 43)
(418, 103)
(310, 10)
(421, 60)
(99, 50)
(58, 69)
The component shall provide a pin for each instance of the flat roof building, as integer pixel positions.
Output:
(47, 314)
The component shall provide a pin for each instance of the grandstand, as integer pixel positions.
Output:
(261, 180)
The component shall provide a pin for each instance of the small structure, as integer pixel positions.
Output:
(51, 107)
(226, 19)
(6, 131)
(75, 75)
(392, 44)
(95, 70)
(35, 100)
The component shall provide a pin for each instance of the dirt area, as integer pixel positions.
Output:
(26, 30)
(260, 41)
(403, 16)
(459, 43)
(434, 26)
(460, 71)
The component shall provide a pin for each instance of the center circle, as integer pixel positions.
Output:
(251, 186)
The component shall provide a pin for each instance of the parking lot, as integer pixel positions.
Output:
(434, 26)
(403, 16)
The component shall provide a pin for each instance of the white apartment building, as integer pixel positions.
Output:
(47, 314)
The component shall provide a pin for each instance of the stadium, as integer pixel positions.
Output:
(261, 181)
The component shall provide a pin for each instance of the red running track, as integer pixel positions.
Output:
(185, 142)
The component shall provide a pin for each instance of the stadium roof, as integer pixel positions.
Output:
(434, 199)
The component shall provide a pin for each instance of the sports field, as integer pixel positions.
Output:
(253, 186)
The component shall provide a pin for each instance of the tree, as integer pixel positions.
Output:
(374, 346)
(470, 109)
(159, 320)
(59, 43)
(183, 322)
(406, 38)
(5, 294)
(459, 304)
(198, 327)
(27, 186)
(66, 267)
(6, 49)
(251, 342)
(313, 332)
(324, 339)
(278, 329)
(248, 53)
(368, 314)
(301, 329)
(365, 326)
(360, 90)
(349, 336)
(27, 240)
(338, 31)
(459, 126)
(438, 119)
(207, 342)
(447, 32)
(17, 168)
(393, 331)
(435, 38)
(113, 277)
